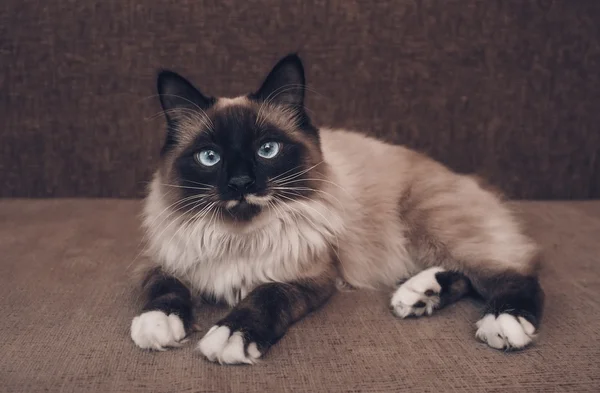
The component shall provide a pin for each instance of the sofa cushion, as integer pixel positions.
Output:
(66, 302)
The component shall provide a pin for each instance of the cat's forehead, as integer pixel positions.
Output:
(224, 119)
(244, 118)
(233, 114)
(227, 102)
(236, 122)
(244, 110)
(233, 126)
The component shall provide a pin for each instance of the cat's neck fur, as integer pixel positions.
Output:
(224, 261)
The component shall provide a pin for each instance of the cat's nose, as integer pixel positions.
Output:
(240, 183)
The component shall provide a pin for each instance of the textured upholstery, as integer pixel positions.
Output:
(509, 89)
(66, 304)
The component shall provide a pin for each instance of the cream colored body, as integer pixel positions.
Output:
(357, 215)
(477, 230)
(370, 177)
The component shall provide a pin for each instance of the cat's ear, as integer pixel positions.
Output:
(285, 83)
(178, 96)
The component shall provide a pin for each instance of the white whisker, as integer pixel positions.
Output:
(284, 189)
(193, 204)
(310, 200)
(182, 202)
(198, 215)
(295, 175)
(187, 187)
(201, 184)
(323, 180)
(331, 227)
(267, 101)
(200, 110)
(288, 171)
(171, 206)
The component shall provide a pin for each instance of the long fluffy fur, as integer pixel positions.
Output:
(283, 245)
(334, 202)
(385, 211)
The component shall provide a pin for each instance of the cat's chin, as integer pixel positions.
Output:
(242, 212)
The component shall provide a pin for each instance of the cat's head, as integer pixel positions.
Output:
(234, 158)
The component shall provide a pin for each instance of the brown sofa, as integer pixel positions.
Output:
(508, 89)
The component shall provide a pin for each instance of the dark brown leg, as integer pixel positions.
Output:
(167, 314)
(262, 318)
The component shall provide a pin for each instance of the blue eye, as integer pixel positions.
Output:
(207, 157)
(269, 149)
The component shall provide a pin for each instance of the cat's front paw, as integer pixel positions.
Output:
(157, 330)
(418, 296)
(225, 346)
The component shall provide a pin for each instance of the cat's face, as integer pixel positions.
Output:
(231, 159)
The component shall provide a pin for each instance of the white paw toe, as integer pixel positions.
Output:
(157, 330)
(417, 296)
(212, 344)
(505, 331)
(220, 345)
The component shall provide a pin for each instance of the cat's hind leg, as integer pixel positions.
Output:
(514, 302)
(429, 290)
(514, 305)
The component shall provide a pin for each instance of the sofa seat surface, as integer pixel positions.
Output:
(67, 300)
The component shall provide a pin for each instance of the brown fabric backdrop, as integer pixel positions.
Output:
(510, 89)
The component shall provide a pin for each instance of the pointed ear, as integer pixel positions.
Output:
(177, 96)
(285, 83)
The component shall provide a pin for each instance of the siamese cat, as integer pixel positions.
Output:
(255, 206)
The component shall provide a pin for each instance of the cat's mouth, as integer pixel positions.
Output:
(247, 207)
(249, 199)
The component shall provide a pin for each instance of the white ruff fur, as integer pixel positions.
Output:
(217, 260)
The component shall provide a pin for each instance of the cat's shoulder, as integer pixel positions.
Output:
(357, 144)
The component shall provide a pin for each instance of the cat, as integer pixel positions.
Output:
(254, 206)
